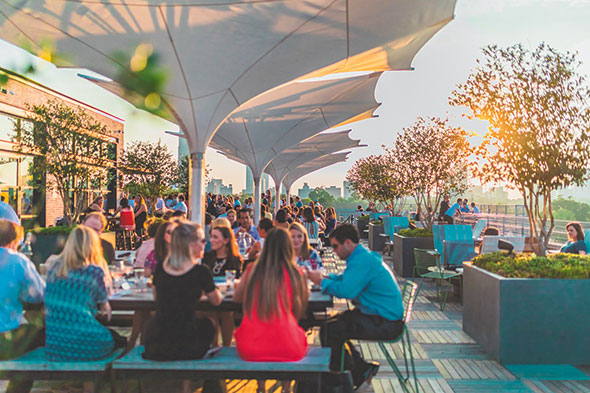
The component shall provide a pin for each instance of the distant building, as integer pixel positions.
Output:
(304, 191)
(347, 189)
(34, 202)
(264, 182)
(336, 192)
(216, 186)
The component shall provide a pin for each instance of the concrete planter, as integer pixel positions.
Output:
(527, 321)
(403, 253)
(376, 242)
(361, 225)
(46, 245)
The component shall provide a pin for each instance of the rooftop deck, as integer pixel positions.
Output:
(447, 360)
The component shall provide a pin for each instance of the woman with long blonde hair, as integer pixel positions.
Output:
(275, 294)
(75, 285)
(305, 255)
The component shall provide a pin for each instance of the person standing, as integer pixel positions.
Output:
(372, 287)
(181, 206)
(7, 212)
(451, 211)
(444, 206)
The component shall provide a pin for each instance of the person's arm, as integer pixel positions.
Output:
(214, 297)
(105, 309)
(351, 283)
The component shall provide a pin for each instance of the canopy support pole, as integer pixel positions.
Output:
(196, 186)
(277, 197)
(288, 193)
(257, 200)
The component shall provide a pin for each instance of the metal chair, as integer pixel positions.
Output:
(428, 266)
(409, 293)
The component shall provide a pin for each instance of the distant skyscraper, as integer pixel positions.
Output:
(182, 148)
(249, 182)
(304, 191)
(336, 192)
(347, 189)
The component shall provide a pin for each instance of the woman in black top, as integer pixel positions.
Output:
(140, 212)
(175, 333)
(222, 257)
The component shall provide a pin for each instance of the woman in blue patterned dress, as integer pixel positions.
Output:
(76, 284)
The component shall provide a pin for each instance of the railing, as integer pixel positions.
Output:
(511, 220)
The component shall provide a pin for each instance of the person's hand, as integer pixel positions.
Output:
(105, 309)
(314, 276)
(242, 230)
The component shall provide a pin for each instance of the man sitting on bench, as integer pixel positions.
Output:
(374, 291)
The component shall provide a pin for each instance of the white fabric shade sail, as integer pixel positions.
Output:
(282, 118)
(304, 152)
(220, 54)
(312, 166)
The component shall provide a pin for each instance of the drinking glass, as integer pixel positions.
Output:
(230, 276)
(139, 281)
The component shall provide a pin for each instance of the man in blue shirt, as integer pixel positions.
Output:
(448, 217)
(181, 206)
(373, 289)
(245, 221)
(474, 209)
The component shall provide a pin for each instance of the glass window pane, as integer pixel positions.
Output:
(6, 127)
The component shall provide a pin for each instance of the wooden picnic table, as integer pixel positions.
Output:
(145, 301)
(142, 303)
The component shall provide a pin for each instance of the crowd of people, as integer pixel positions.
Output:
(183, 259)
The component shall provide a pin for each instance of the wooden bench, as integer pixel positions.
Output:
(226, 364)
(34, 365)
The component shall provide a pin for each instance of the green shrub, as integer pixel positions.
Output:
(418, 232)
(570, 266)
(363, 217)
(377, 222)
(61, 230)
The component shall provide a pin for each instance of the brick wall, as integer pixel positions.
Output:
(18, 92)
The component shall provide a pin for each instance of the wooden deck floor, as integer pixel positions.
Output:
(447, 361)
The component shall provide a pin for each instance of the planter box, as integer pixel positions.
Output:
(376, 242)
(403, 253)
(361, 225)
(527, 321)
(46, 245)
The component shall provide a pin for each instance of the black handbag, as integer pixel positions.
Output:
(333, 382)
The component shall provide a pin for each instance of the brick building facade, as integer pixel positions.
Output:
(40, 207)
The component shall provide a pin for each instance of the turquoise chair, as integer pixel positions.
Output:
(458, 244)
(478, 228)
(438, 236)
(409, 293)
(376, 215)
(428, 266)
(399, 223)
(587, 240)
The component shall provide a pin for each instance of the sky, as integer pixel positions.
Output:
(442, 63)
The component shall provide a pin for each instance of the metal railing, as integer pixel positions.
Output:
(511, 220)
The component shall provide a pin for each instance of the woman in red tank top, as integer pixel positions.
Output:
(127, 219)
(274, 292)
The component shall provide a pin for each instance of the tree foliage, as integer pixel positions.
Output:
(322, 196)
(149, 168)
(536, 104)
(431, 157)
(377, 178)
(71, 147)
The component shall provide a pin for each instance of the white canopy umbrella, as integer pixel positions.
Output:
(312, 166)
(220, 54)
(304, 152)
(277, 120)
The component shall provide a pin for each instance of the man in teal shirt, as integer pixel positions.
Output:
(373, 289)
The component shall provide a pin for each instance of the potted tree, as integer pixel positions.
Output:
(362, 224)
(530, 309)
(431, 157)
(375, 178)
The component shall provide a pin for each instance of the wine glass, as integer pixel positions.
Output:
(230, 276)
